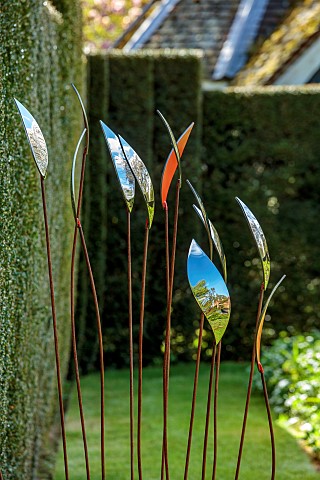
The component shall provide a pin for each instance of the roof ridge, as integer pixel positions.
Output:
(150, 24)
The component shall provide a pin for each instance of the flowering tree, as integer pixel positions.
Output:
(105, 20)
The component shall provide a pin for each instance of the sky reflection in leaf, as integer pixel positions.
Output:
(260, 240)
(141, 175)
(124, 173)
(35, 138)
(209, 290)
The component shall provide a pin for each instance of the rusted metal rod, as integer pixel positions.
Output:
(141, 324)
(130, 344)
(167, 254)
(55, 329)
(215, 412)
(206, 434)
(266, 399)
(100, 339)
(194, 395)
(73, 327)
(253, 359)
(166, 372)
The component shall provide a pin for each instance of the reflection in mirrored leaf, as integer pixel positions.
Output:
(209, 290)
(73, 198)
(36, 139)
(141, 175)
(215, 240)
(84, 114)
(260, 240)
(121, 166)
(262, 318)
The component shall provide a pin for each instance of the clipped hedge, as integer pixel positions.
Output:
(40, 54)
(124, 91)
(263, 146)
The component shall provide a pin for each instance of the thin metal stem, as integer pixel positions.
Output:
(143, 288)
(273, 446)
(73, 327)
(168, 332)
(194, 395)
(95, 299)
(215, 412)
(206, 434)
(55, 329)
(130, 345)
(75, 356)
(166, 210)
(253, 358)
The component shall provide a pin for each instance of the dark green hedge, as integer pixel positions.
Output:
(40, 54)
(263, 146)
(260, 145)
(125, 91)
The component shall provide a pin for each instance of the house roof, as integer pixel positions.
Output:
(295, 34)
(210, 25)
(241, 35)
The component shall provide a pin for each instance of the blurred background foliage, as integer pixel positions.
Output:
(261, 145)
(105, 20)
(291, 368)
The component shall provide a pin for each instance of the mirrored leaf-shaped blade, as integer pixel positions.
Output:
(209, 290)
(172, 160)
(84, 114)
(260, 240)
(215, 240)
(73, 197)
(36, 139)
(262, 318)
(141, 175)
(124, 173)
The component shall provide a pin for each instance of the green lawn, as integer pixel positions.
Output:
(292, 463)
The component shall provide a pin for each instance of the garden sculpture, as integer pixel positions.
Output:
(207, 284)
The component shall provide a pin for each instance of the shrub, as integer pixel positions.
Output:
(292, 366)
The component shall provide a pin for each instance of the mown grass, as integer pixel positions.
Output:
(292, 462)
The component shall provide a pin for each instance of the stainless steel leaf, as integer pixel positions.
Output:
(209, 290)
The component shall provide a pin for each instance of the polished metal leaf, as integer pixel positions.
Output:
(142, 176)
(260, 240)
(84, 114)
(72, 189)
(209, 290)
(174, 158)
(35, 138)
(262, 318)
(213, 235)
(124, 173)
(215, 239)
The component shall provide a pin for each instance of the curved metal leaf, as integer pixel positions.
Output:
(213, 235)
(260, 240)
(262, 318)
(84, 114)
(142, 176)
(73, 200)
(209, 290)
(174, 158)
(215, 239)
(124, 173)
(35, 138)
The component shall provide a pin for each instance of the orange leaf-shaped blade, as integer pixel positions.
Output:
(172, 164)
